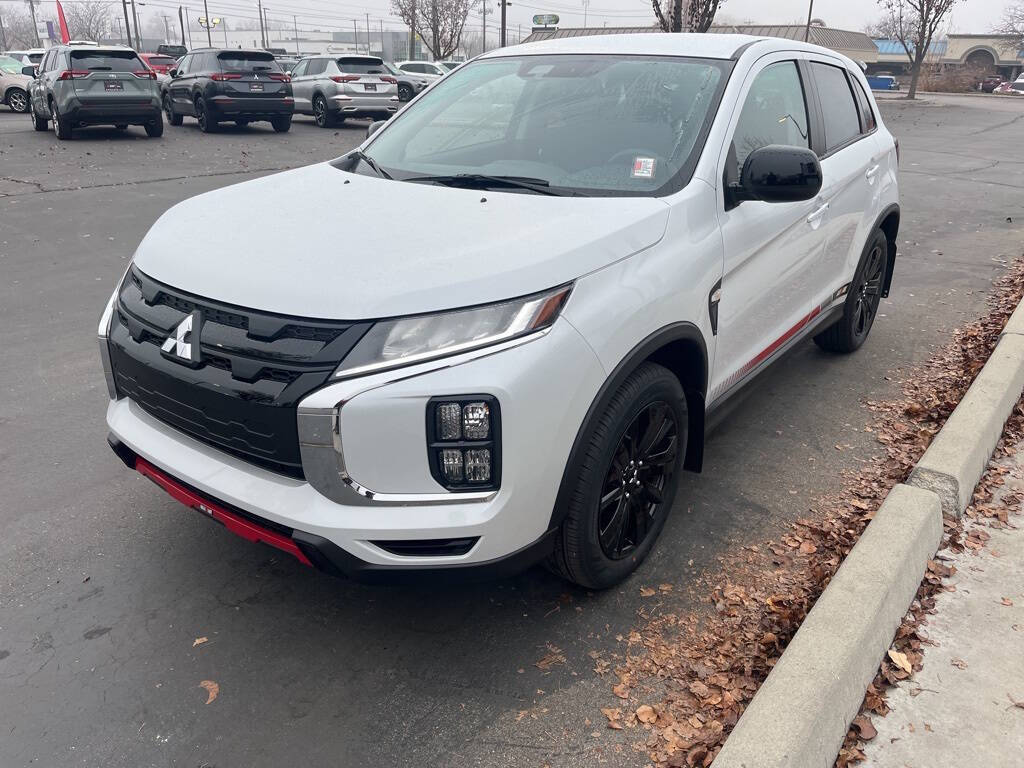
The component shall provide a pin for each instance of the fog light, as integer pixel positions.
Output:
(478, 465)
(449, 421)
(451, 465)
(476, 421)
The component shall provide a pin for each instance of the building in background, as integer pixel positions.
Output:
(985, 54)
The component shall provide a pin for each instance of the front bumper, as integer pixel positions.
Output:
(544, 386)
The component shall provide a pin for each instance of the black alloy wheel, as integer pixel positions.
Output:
(320, 114)
(172, 118)
(641, 468)
(203, 117)
(405, 92)
(862, 300)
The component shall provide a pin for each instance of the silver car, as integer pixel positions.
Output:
(13, 84)
(332, 88)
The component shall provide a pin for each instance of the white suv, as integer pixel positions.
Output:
(507, 377)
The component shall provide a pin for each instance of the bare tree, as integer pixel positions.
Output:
(1012, 26)
(89, 21)
(685, 15)
(915, 24)
(439, 23)
(18, 28)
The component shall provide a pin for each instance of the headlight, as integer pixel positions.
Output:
(408, 340)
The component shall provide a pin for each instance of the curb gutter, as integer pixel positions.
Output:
(801, 714)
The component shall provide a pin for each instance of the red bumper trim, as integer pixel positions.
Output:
(233, 522)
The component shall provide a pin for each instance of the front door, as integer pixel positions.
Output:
(772, 250)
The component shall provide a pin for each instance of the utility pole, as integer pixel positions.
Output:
(224, 29)
(807, 29)
(586, 5)
(503, 35)
(127, 26)
(263, 33)
(355, 35)
(295, 22)
(3, 35)
(206, 10)
(35, 25)
(412, 34)
(167, 28)
(188, 27)
(483, 42)
(382, 38)
(181, 20)
(138, 30)
(266, 25)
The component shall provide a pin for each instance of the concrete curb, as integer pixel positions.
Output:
(956, 458)
(801, 713)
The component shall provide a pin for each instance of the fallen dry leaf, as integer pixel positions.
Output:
(647, 592)
(646, 714)
(808, 548)
(614, 717)
(665, 587)
(621, 690)
(199, 641)
(958, 663)
(212, 689)
(864, 727)
(1006, 601)
(901, 661)
(553, 657)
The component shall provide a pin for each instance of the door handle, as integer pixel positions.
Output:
(871, 172)
(815, 215)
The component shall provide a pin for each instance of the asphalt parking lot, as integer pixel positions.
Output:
(106, 583)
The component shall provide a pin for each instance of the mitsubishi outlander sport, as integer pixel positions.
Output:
(606, 237)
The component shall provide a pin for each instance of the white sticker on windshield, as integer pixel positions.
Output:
(643, 168)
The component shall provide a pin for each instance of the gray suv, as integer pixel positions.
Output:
(79, 85)
(331, 88)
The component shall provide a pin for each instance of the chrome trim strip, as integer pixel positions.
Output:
(102, 333)
(321, 446)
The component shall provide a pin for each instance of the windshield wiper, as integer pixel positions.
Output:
(371, 162)
(483, 181)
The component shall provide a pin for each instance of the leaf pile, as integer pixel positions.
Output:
(710, 666)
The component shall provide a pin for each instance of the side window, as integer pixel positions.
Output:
(300, 68)
(183, 67)
(46, 66)
(867, 115)
(774, 113)
(316, 66)
(416, 68)
(837, 106)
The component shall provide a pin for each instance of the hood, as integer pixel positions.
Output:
(323, 243)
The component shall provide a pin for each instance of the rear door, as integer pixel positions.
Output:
(252, 75)
(111, 78)
(850, 164)
(364, 77)
(302, 90)
(772, 250)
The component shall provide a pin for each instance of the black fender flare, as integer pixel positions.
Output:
(891, 260)
(674, 332)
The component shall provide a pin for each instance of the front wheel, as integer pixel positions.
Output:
(172, 117)
(17, 100)
(282, 124)
(625, 481)
(862, 300)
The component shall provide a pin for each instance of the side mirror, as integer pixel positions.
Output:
(172, 72)
(373, 127)
(28, 71)
(778, 174)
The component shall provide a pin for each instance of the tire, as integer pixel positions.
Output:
(206, 125)
(17, 100)
(405, 92)
(155, 129)
(60, 127)
(590, 548)
(862, 300)
(39, 123)
(172, 117)
(320, 113)
(282, 124)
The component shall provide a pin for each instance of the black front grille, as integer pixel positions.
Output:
(254, 367)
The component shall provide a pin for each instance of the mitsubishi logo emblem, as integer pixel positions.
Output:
(183, 343)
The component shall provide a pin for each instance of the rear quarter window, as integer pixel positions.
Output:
(839, 111)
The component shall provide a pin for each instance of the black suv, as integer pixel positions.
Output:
(215, 85)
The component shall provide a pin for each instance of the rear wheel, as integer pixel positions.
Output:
(320, 113)
(17, 100)
(172, 117)
(39, 123)
(206, 125)
(60, 125)
(155, 129)
(404, 92)
(282, 124)
(625, 482)
(862, 300)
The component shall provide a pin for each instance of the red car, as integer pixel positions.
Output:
(159, 62)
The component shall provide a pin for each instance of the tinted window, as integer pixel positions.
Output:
(316, 66)
(161, 61)
(248, 61)
(300, 69)
(612, 124)
(35, 58)
(866, 113)
(837, 106)
(362, 66)
(413, 68)
(106, 61)
(185, 64)
(774, 113)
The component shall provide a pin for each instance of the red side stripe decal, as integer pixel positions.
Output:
(235, 523)
(773, 347)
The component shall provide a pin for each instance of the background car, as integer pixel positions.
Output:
(80, 85)
(214, 85)
(990, 83)
(287, 63)
(30, 56)
(883, 83)
(158, 62)
(1015, 88)
(426, 68)
(13, 84)
(332, 88)
(408, 85)
(174, 51)
(450, 65)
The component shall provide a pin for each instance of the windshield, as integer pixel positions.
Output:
(242, 61)
(106, 61)
(10, 66)
(597, 124)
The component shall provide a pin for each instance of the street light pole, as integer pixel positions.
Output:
(35, 24)
(807, 29)
(206, 10)
(263, 33)
(138, 32)
(295, 22)
(127, 26)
